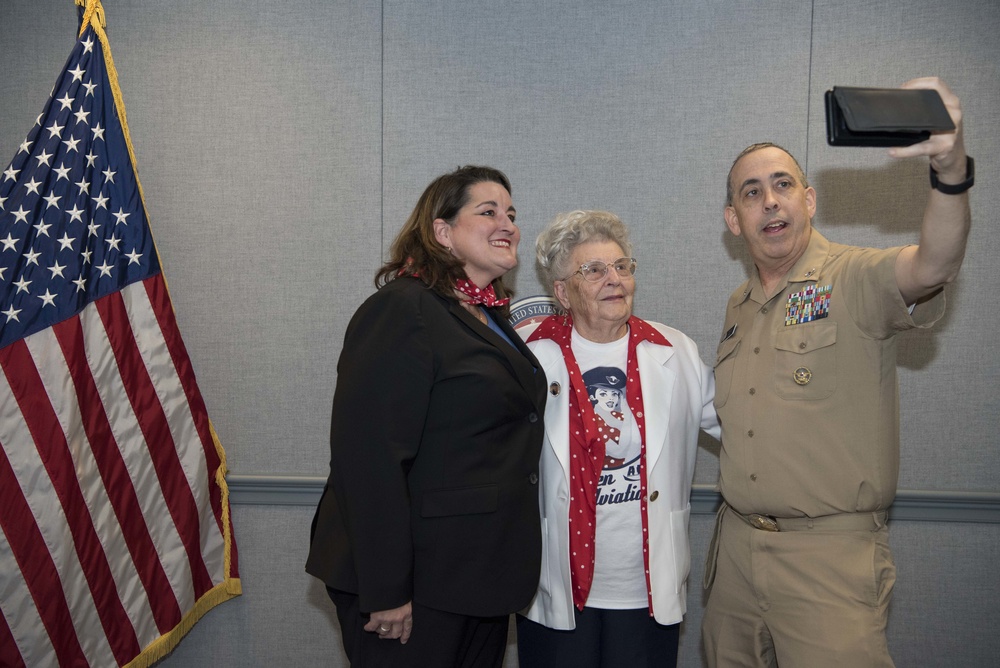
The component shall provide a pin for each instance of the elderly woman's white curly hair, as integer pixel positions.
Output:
(567, 231)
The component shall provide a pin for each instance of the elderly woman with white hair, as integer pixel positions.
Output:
(627, 400)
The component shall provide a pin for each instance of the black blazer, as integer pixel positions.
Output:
(435, 440)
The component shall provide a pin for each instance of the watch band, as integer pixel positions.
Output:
(958, 188)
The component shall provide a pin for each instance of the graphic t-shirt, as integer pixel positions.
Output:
(619, 570)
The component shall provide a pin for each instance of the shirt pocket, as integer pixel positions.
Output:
(725, 366)
(805, 361)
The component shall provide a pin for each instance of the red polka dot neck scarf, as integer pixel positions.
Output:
(486, 296)
(588, 436)
(476, 295)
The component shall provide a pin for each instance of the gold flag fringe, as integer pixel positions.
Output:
(93, 15)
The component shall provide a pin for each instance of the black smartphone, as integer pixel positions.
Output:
(884, 116)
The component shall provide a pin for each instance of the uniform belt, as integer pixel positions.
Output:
(871, 521)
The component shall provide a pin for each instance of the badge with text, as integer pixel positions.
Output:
(810, 304)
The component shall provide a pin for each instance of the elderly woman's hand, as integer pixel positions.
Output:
(392, 624)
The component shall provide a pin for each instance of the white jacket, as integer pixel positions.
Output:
(677, 392)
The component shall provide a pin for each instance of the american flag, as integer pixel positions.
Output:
(115, 533)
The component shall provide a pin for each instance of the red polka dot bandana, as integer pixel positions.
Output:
(588, 436)
(486, 296)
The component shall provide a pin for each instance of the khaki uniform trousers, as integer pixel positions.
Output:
(807, 598)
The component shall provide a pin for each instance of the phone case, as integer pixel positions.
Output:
(883, 116)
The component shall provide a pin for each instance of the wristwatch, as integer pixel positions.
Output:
(958, 188)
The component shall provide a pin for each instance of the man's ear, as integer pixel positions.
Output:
(811, 202)
(442, 232)
(732, 220)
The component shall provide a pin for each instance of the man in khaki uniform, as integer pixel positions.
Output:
(807, 395)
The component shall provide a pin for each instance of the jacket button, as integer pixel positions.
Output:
(533, 418)
(533, 478)
(654, 496)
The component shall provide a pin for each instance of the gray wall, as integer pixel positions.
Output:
(281, 146)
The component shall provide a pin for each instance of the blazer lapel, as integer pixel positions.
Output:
(521, 361)
(526, 367)
(658, 384)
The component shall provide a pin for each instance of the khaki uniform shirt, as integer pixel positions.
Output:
(806, 385)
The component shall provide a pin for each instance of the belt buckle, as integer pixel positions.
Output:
(763, 522)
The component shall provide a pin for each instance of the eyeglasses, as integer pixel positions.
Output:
(597, 270)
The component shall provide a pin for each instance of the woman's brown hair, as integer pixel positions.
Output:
(416, 252)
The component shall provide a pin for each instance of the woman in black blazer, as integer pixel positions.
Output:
(427, 535)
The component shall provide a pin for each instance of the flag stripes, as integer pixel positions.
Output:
(116, 480)
(45, 431)
(109, 503)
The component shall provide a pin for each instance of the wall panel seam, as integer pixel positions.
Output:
(920, 505)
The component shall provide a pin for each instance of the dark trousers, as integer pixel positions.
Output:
(601, 639)
(439, 639)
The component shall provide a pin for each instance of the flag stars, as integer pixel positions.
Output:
(66, 101)
(32, 185)
(76, 214)
(52, 199)
(48, 299)
(55, 130)
(20, 216)
(69, 270)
